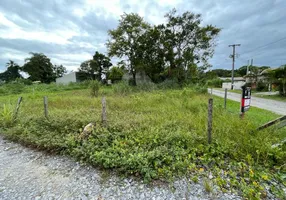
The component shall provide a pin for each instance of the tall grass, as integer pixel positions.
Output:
(6, 115)
(155, 134)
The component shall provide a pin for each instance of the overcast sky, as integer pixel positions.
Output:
(70, 31)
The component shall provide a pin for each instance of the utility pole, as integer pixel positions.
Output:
(247, 68)
(233, 60)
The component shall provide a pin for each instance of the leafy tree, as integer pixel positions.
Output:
(187, 42)
(153, 59)
(59, 71)
(222, 72)
(12, 72)
(253, 69)
(115, 74)
(39, 67)
(93, 69)
(86, 71)
(280, 75)
(101, 63)
(125, 41)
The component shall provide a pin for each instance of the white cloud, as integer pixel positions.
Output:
(13, 31)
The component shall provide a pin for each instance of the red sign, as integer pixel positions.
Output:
(246, 99)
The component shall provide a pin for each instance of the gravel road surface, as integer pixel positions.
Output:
(29, 174)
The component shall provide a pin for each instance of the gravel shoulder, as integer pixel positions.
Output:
(30, 174)
(277, 107)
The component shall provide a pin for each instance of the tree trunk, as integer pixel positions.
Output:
(134, 77)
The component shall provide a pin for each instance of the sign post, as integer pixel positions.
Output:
(245, 100)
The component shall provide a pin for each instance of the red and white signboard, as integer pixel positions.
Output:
(246, 99)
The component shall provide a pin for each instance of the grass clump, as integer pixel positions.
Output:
(6, 115)
(94, 86)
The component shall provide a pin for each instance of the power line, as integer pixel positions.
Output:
(264, 45)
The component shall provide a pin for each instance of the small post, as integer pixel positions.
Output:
(210, 120)
(103, 115)
(225, 97)
(46, 106)
(211, 90)
(17, 107)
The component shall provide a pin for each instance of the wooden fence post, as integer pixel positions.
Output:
(103, 115)
(210, 120)
(46, 106)
(17, 107)
(225, 97)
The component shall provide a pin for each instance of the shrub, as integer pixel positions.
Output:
(168, 84)
(146, 86)
(24, 81)
(94, 88)
(261, 86)
(201, 89)
(215, 83)
(115, 74)
(122, 88)
(6, 116)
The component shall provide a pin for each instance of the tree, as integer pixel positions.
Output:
(12, 72)
(152, 52)
(101, 63)
(59, 71)
(253, 69)
(115, 74)
(280, 75)
(39, 67)
(125, 41)
(94, 68)
(187, 42)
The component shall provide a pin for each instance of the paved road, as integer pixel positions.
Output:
(277, 107)
(29, 174)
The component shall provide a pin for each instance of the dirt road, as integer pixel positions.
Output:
(277, 107)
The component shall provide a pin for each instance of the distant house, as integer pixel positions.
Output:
(253, 79)
(141, 77)
(238, 82)
(74, 77)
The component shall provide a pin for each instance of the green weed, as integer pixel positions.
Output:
(6, 115)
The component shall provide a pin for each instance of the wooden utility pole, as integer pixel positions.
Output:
(247, 68)
(225, 97)
(233, 61)
(103, 115)
(46, 106)
(210, 120)
(17, 107)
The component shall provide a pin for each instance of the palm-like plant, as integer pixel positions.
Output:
(280, 75)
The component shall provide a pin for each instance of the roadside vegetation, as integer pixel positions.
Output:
(153, 132)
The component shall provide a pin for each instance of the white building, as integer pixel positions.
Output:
(238, 82)
(68, 78)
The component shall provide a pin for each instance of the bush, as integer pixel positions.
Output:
(202, 89)
(169, 84)
(146, 86)
(24, 81)
(122, 87)
(94, 88)
(215, 83)
(6, 116)
(261, 86)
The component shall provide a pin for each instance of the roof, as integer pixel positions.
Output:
(234, 78)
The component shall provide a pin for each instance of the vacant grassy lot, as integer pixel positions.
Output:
(159, 134)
